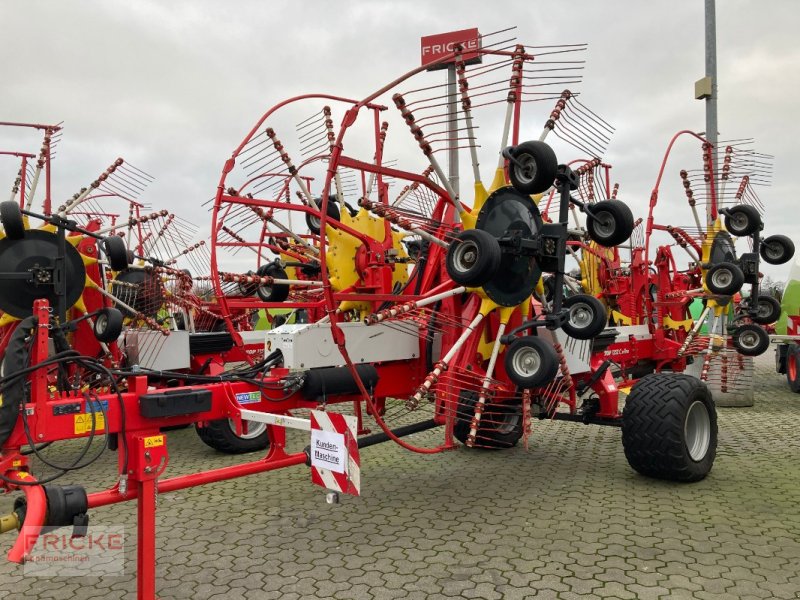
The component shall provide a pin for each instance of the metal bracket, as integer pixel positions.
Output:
(275, 419)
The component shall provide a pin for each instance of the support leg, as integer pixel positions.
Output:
(146, 541)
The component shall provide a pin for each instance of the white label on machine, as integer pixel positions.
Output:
(328, 451)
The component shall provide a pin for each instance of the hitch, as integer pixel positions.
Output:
(67, 506)
(12, 520)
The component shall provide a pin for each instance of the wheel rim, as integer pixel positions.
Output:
(101, 323)
(748, 340)
(465, 256)
(252, 429)
(508, 423)
(604, 224)
(697, 430)
(791, 366)
(526, 168)
(764, 310)
(722, 278)
(739, 221)
(315, 223)
(773, 251)
(527, 362)
(580, 315)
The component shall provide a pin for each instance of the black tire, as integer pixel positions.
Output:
(11, 218)
(781, 351)
(221, 436)
(722, 249)
(15, 391)
(750, 340)
(530, 362)
(549, 284)
(769, 310)
(669, 427)
(107, 325)
(145, 292)
(536, 170)
(473, 258)
(275, 292)
(587, 317)
(500, 426)
(742, 220)
(314, 222)
(116, 252)
(776, 249)
(609, 223)
(724, 279)
(793, 368)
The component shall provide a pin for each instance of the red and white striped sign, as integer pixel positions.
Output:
(793, 326)
(335, 463)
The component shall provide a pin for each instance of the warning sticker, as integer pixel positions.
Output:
(154, 441)
(248, 397)
(83, 422)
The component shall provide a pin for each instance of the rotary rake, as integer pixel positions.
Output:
(649, 299)
(128, 272)
(381, 253)
(714, 273)
(404, 299)
(69, 233)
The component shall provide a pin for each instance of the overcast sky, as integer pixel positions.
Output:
(174, 86)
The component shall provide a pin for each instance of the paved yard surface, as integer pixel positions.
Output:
(566, 519)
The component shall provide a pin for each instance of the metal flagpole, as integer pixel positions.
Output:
(711, 99)
(452, 127)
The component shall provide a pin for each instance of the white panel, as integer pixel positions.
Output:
(253, 337)
(275, 419)
(577, 352)
(152, 350)
(310, 345)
